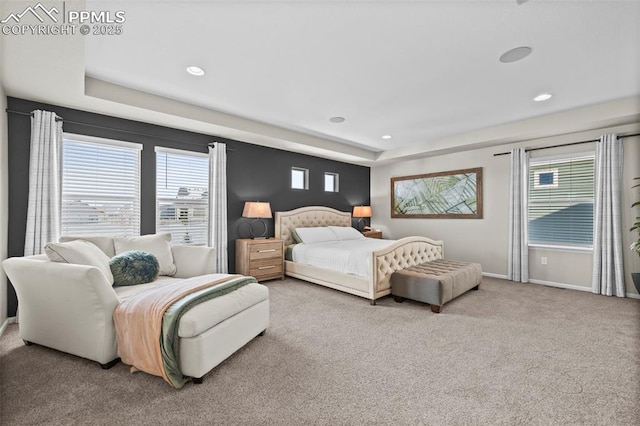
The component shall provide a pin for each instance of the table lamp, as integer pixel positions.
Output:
(257, 211)
(361, 212)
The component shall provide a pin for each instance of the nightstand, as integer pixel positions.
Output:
(263, 259)
(372, 234)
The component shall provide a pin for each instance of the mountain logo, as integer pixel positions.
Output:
(38, 11)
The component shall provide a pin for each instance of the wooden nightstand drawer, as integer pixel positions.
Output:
(262, 251)
(266, 268)
(262, 259)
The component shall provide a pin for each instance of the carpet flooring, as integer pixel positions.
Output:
(508, 354)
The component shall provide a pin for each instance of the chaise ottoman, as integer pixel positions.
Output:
(207, 332)
(436, 282)
(212, 331)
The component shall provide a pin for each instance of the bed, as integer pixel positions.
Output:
(401, 254)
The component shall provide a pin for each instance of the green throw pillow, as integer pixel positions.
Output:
(134, 267)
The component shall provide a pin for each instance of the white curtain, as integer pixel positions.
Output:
(518, 267)
(608, 270)
(218, 204)
(43, 210)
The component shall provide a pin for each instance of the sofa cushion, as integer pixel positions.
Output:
(134, 267)
(104, 243)
(80, 252)
(158, 245)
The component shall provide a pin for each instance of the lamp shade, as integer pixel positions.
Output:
(362, 211)
(256, 210)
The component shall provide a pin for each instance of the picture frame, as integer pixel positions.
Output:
(455, 194)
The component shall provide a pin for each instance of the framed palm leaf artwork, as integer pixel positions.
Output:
(455, 194)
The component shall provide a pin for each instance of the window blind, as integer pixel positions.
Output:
(100, 187)
(561, 201)
(182, 195)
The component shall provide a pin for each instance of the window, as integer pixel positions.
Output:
(299, 178)
(100, 186)
(330, 182)
(182, 195)
(545, 178)
(561, 201)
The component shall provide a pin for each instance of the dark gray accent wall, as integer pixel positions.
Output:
(254, 173)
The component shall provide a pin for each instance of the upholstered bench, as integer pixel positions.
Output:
(436, 282)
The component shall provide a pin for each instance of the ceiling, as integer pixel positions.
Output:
(425, 72)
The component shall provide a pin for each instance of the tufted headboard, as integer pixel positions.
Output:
(305, 217)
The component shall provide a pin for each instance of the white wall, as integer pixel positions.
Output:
(486, 240)
(4, 193)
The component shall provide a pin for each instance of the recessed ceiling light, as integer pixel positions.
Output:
(336, 119)
(542, 97)
(194, 70)
(515, 54)
(386, 136)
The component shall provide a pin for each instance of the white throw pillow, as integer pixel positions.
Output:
(80, 252)
(104, 243)
(346, 233)
(158, 245)
(313, 235)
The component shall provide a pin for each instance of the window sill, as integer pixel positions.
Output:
(574, 249)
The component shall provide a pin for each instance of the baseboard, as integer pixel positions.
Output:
(576, 287)
(10, 320)
(560, 285)
(555, 284)
(492, 275)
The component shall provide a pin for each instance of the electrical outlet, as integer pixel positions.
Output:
(543, 260)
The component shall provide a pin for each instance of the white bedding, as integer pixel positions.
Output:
(350, 256)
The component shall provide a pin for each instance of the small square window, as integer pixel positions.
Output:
(545, 178)
(299, 178)
(330, 182)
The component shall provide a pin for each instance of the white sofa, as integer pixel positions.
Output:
(69, 307)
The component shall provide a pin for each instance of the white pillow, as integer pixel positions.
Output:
(80, 252)
(104, 243)
(321, 234)
(158, 245)
(347, 233)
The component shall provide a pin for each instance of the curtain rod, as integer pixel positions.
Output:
(30, 114)
(112, 128)
(565, 144)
